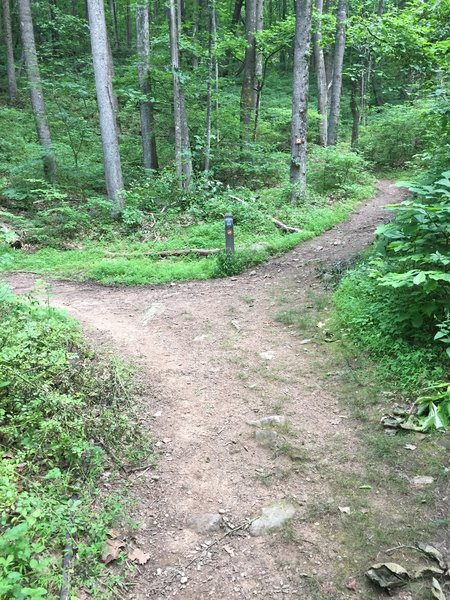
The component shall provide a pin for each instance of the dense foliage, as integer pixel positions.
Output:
(62, 408)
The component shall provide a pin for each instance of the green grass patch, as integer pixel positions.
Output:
(64, 412)
(128, 261)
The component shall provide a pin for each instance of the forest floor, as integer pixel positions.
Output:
(215, 356)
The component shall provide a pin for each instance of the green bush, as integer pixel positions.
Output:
(61, 409)
(395, 134)
(336, 169)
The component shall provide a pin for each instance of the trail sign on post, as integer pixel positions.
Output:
(229, 234)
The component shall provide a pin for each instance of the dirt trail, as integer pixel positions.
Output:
(216, 359)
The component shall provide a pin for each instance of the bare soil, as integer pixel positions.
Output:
(214, 358)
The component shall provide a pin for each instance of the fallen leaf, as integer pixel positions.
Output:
(410, 447)
(434, 554)
(111, 550)
(436, 590)
(427, 571)
(388, 575)
(139, 556)
(352, 585)
(344, 509)
(8, 455)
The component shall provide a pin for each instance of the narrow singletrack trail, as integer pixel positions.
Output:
(213, 358)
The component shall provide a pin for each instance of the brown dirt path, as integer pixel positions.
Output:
(199, 347)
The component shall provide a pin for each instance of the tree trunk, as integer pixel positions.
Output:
(115, 25)
(183, 157)
(128, 26)
(283, 52)
(336, 88)
(356, 114)
(10, 66)
(248, 92)
(212, 68)
(300, 95)
(105, 101)
(146, 109)
(259, 83)
(195, 22)
(321, 78)
(36, 94)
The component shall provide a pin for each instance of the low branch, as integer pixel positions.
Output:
(284, 227)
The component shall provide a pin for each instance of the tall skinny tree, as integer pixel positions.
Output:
(105, 101)
(248, 91)
(36, 93)
(300, 95)
(321, 76)
(10, 66)
(338, 61)
(183, 156)
(146, 108)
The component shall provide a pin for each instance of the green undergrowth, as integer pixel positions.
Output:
(127, 259)
(65, 418)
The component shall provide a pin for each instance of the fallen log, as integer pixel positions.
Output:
(164, 253)
(284, 227)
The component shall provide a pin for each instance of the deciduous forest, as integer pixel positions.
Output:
(128, 130)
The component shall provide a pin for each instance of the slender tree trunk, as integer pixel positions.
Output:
(248, 92)
(212, 78)
(336, 88)
(356, 113)
(183, 157)
(236, 14)
(36, 94)
(259, 78)
(128, 26)
(377, 90)
(321, 78)
(283, 53)
(146, 109)
(10, 66)
(115, 25)
(300, 95)
(195, 21)
(105, 101)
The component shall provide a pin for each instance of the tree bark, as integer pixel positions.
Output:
(105, 101)
(248, 91)
(336, 88)
(115, 24)
(36, 93)
(146, 108)
(212, 69)
(259, 75)
(321, 78)
(183, 157)
(300, 95)
(356, 113)
(10, 66)
(128, 26)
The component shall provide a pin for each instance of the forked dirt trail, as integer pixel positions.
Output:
(215, 360)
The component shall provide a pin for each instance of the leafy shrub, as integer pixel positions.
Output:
(395, 135)
(337, 169)
(61, 409)
(369, 315)
(414, 262)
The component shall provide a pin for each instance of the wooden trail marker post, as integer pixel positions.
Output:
(229, 234)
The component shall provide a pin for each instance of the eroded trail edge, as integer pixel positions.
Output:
(215, 361)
